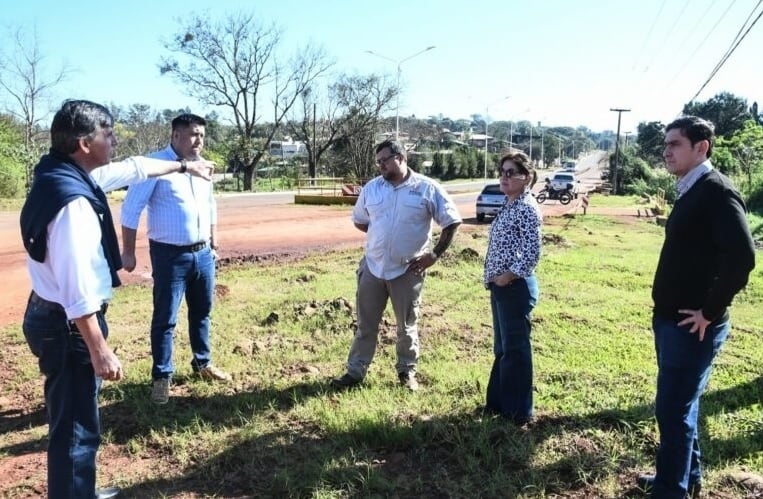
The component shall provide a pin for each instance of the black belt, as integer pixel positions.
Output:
(193, 248)
(51, 305)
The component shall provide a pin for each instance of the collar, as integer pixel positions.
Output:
(687, 181)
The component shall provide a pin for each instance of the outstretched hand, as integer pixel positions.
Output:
(201, 168)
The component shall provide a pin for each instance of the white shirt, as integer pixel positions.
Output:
(399, 220)
(181, 208)
(75, 272)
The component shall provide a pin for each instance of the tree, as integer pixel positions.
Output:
(725, 110)
(438, 165)
(24, 77)
(451, 167)
(650, 141)
(140, 129)
(11, 157)
(755, 114)
(232, 64)
(745, 152)
(354, 106)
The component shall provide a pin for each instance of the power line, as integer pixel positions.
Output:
(738, 39)
(707, 36)
(668, 34)
(649, 34)
(693, 30)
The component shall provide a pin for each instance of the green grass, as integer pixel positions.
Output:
(279, 431)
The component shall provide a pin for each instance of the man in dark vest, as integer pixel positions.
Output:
(73, 258)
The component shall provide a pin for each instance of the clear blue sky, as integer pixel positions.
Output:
(561, 62)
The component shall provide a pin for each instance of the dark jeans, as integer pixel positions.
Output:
(71, 399)
(509, 390)
(683, 369)
(179, 272)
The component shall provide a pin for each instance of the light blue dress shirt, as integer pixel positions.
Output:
(181, 208)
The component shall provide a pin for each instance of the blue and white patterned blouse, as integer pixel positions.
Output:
(515, 241)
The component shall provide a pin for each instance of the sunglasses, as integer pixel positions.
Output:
(512, 173)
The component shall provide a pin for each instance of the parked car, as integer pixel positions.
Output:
(565, 180)
(489, 201)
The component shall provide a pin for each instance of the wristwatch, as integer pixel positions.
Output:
(183, 166)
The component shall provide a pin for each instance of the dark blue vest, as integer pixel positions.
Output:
(58, 181)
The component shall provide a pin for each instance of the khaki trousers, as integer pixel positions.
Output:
(405, 293)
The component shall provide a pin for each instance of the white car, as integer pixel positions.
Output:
(570, 166)
(490, 201)
(564, 180)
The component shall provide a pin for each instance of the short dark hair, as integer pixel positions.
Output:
(187, 119)
(695, 129)
(75, 120)
(522, 161)
(395, 147)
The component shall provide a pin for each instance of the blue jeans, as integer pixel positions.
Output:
(179, 272)
(71, 399)
(683, 369)
(509, 390)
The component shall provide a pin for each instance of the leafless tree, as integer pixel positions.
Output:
(141, 130)
(351, 112)
(25, 79)
(234, 64)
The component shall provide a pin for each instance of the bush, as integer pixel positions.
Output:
(656, 179)
(12, 178)
(755, 199)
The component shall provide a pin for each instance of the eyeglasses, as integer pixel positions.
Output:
(511, 173)
(380, 162)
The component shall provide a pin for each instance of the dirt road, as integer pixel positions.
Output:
(248, 227)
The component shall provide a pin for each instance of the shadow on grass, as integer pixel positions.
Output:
(136, 415)
(16, 420)
(455, 455)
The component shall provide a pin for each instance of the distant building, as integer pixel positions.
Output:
(287, 149)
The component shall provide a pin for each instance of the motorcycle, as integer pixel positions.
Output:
(564, 196)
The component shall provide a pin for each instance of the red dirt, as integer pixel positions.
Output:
(248, 228)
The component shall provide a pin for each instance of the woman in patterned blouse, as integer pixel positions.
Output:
(512, 254)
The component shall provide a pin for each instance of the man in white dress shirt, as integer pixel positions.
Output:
(73, 258)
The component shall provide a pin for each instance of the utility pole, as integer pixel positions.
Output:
(542, 146)
(617, 147)
(626, 137)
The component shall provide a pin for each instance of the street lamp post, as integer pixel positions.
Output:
(542, 146)
(531, 142)
(399, 72)
(487, 110)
